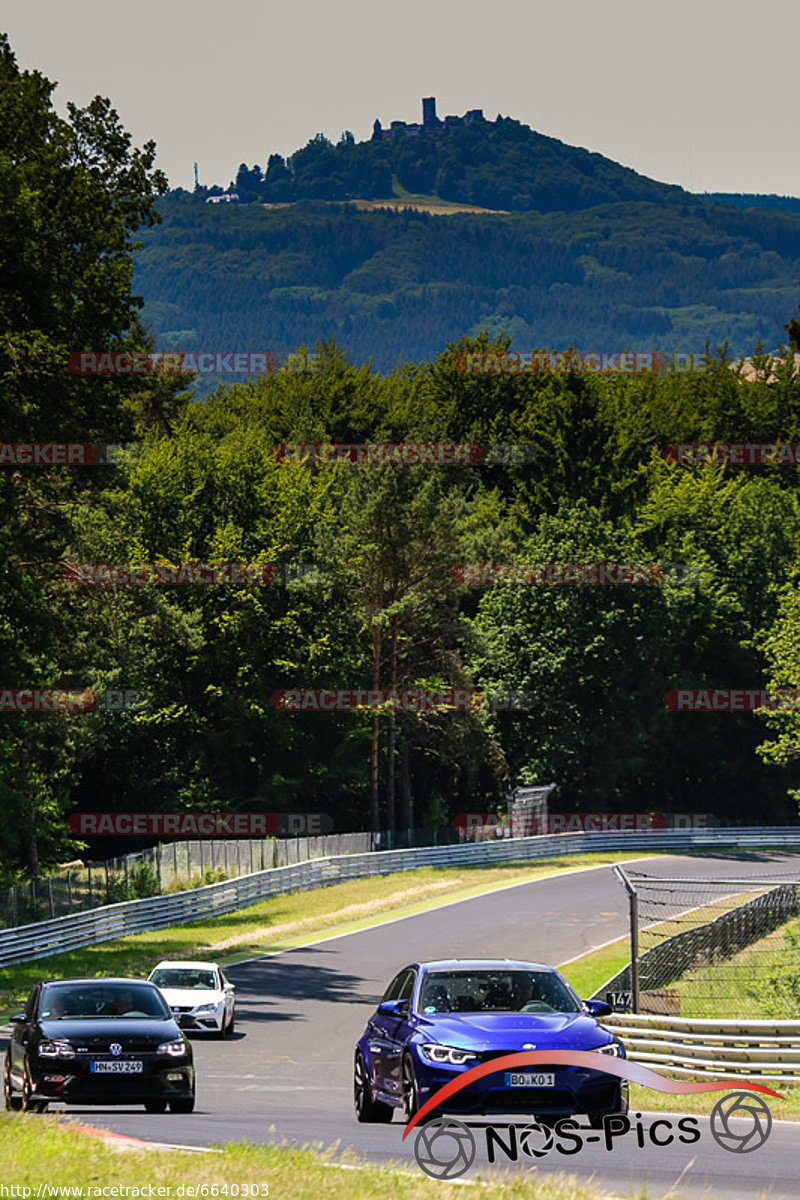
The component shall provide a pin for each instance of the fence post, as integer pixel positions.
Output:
(89, 866)
(69, 889)
(50, 895)
(127, 884)
(633, 908)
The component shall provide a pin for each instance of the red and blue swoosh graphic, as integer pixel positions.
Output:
(588, 1059)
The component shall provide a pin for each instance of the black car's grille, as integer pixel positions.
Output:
(131, 1045)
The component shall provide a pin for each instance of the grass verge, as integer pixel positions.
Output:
(281, 922)
(38, 1151)
(588, 973)
(761, 982)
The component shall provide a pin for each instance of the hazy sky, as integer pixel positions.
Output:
(704, 93)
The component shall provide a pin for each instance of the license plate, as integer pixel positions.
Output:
(543, 1080)
(126, 1067)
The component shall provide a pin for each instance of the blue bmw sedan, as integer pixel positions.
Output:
(436, 1020)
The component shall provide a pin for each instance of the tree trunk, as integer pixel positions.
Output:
(405, 784)
(390, 815)
(376, 683)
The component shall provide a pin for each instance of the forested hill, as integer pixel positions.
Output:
(753, 200)
(398, 286)
(500, 164)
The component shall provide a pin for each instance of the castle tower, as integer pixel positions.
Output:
(429, 118)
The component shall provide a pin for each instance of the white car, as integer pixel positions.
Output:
(199, 994)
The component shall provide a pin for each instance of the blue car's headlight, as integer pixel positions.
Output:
(451, 1055)
(614, 1048)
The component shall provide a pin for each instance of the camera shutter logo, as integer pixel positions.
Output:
(536, 1140)
(115, 1048)
(444, 1148)
(741, 1107)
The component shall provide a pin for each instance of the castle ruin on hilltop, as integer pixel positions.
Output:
(430, 123)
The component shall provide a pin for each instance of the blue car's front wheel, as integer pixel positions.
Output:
(368, 1111)
(410, 1089)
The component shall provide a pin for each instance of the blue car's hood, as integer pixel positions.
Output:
(507, 1031)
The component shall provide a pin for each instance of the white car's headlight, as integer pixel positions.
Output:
(448, 1054)
(209, 1008)
(56, 1050)
(173, 1049)
(614, 1048)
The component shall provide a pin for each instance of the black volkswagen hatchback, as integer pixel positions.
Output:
(98, 1041)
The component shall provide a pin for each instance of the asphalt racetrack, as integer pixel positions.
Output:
(286, 1074)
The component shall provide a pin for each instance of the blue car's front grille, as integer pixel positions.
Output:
(488, 1055)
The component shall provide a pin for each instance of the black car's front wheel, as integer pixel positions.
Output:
(28, 1102)
(183, 1104)
(12, 1102)
(155, 1106)
(368, 1111)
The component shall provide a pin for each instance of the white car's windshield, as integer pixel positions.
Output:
(184, 978)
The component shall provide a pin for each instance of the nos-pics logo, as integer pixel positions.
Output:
(446, 1148)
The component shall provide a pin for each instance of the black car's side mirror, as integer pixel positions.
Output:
(393, 1008)
(597, 1008)
(19, 1019)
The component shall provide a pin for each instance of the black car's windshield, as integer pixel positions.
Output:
(495, 991)
(184, 977)
(92, 1001)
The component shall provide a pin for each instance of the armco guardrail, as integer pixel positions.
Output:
(764, 1050)
(44, 938)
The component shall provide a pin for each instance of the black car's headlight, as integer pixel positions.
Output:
(447, 1054)
(174, 1049)
(56, 1050)
(614, 1048)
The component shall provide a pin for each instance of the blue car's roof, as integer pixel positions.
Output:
(482, 964)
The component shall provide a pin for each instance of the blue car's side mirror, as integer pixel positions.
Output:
(18, 1020)
(598, 1008)
(393, 1008)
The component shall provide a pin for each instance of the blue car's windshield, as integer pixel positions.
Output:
(495, 991)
